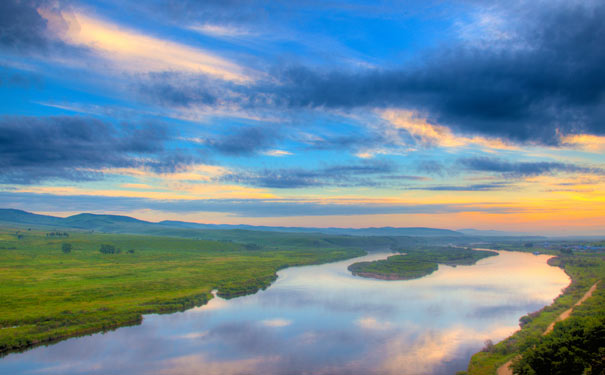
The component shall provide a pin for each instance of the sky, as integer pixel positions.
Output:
(447, 114)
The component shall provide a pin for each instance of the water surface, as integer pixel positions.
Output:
(322, 320)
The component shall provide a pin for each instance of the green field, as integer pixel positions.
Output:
(570, 345)
(47, 295)
(417, 262)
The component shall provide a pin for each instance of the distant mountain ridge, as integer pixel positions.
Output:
(127, 224)
(371, 231)
(491, 233)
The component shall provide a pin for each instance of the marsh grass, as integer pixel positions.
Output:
(47, 294)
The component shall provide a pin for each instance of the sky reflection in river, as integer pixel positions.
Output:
(322, 320)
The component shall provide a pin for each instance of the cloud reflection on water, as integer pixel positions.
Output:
(322, 320)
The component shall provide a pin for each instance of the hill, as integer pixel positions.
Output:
(126, 224)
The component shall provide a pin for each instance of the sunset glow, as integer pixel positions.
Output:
(454, 115)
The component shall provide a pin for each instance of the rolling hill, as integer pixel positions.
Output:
(126, 224)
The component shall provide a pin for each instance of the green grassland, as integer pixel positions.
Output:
(48, 295)
(417, 262)
(585, 268)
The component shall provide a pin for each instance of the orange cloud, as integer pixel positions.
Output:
(586, 142)
(436, 135)
(132, 51)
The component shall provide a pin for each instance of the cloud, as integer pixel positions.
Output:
(539, 80)
(24, 30)
(472, 187)
(220, 31)
(21, 27)
(523, 169)
(133, 51)
(78, 148)
(238, 207)
(245, 141)
(431, 167)
(585, 142)
(420, 132)
(537, 85)
(19, 80)
(278, 153)
(219, 12)
(359, 141)
(362, 174)
(175, 90)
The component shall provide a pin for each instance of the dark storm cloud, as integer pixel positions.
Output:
(363, 174)
(38, 148)
(552, 77)
(547, 80)
(523, 169)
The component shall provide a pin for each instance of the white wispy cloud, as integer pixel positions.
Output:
(277, 153)
(221, 30)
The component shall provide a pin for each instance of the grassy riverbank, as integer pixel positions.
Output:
(417, 262)
(585, 269)
(47, 294)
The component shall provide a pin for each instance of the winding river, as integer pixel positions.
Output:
(322, 320)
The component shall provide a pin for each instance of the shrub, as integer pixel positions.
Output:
(488, 347)
(108, 249)
(66, 248)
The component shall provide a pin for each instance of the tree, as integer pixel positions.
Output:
(575, 346)
(107, 249)
(66, 247)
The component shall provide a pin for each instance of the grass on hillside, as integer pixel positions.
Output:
(46, 294)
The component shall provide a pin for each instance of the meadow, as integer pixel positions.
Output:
(49, 292)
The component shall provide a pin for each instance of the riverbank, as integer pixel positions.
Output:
(50, 295)
(565, 314)
(585, 271)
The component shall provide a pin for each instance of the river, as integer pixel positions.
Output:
(321, 320)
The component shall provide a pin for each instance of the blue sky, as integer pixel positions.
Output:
(446, 114)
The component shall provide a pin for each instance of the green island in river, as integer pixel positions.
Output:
(417, 262)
